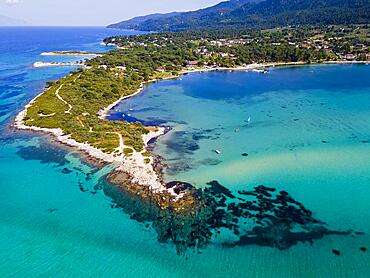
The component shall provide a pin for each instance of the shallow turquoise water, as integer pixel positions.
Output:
(308, 134)
(55, 220)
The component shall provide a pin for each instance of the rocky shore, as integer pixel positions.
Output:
(135, 165)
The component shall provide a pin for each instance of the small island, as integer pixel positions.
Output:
(58, 64)
(73, 109)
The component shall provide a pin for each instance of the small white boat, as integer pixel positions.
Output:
(257, 70)
(260, 71)
(217, 151)
(249, 120)
(129, 115)
(123, 115)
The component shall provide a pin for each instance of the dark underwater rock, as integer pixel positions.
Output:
(259, 216)
(217, 189)
(336, 252)
(52, 210)
(45, 154)
(66, 171)
(360, 233)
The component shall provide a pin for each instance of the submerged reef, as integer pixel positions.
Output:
(258, 216)
(192, 218)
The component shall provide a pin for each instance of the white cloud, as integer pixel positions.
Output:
(13, 2)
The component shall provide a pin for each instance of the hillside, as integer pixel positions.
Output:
(256, 13)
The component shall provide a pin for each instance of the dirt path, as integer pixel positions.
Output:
(121, 146)
(62, 100)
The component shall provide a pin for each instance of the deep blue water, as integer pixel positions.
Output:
(20, 48)
(210, 87)
(308, 135)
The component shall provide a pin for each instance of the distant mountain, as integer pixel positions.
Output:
(256, 13)
(8, 21)
(182, 20)
(136, 21)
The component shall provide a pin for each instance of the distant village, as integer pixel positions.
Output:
(337, 42)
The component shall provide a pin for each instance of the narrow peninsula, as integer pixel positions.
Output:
(73, 109)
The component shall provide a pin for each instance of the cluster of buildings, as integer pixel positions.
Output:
(338, 46)
(229, 42)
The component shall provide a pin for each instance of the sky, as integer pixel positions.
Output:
(91, 12)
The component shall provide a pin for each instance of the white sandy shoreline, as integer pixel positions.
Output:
(104, 112)
(141, 172)
(69, 53)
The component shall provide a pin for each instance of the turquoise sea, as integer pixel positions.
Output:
(304, 130)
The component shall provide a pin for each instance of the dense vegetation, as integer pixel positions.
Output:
(237, 47)
(257, 14)
(72, 103)
(87, 92)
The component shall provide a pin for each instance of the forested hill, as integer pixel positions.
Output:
(257, 13)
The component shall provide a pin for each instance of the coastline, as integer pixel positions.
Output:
(140, 172)
(56, 196)
(251, 67)
(103, 112)
(56, 64)
(69, 53)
